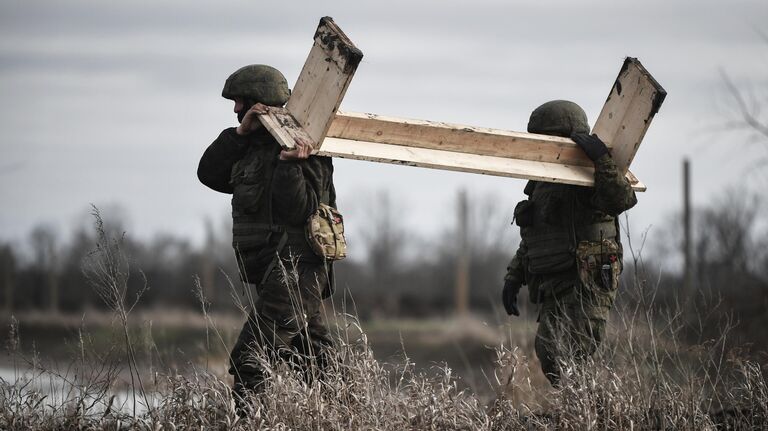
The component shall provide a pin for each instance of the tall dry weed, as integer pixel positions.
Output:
(644, 377)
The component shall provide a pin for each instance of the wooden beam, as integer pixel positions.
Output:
(632, 102)
(631, 105)
(457, 138)
(464, 162)
(311, 113)
(321, 86)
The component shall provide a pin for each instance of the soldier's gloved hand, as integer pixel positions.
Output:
(302, 151)
(591, 144)
(509, 297)
(251, 119)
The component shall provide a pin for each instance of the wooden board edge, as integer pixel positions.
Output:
(634, 91)
(337, 45)
(661, 93)
(462, 162)
(284, 128)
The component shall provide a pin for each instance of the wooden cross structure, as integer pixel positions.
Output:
(312, 113)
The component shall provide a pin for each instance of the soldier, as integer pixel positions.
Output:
(274, 191)
(570, 255)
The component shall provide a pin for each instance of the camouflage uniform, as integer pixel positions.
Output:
(271, 201)
(570, 255)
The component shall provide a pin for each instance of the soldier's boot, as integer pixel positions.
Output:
(247, 384)
(546, 352)
(259, 342)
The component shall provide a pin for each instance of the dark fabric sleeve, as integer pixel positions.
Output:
(297, 187)
(612, 192)
(215, 168)
(516, 268)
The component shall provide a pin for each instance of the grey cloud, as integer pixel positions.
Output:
(130, 90)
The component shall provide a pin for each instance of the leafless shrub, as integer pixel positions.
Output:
(644, 377)
(107, 268)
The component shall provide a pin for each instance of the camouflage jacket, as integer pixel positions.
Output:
(587, 207)
(266, 190)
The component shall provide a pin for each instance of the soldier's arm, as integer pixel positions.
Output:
(215, 168)
(613, 194)
(515, 269)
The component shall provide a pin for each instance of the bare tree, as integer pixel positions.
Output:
(726, 231)
(750, 105)
(45, 247)
(384, 240)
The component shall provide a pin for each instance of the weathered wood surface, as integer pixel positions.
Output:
(464, 162)
(283, 126)
(457, 138)
(321, 86)
(311, 112)
(632, 102)
(631, 105)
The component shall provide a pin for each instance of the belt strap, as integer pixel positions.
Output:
(273, 262)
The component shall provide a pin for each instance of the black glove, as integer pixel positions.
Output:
(509, 297)
(591, 144)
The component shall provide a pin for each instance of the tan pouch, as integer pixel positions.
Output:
(325, 232)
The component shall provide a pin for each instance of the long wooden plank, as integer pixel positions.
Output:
(321, 86)
(463, 162)
(311, 113)
(631, 105)
(457, 138)
(632, 102)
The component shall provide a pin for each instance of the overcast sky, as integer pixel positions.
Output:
(113, 102)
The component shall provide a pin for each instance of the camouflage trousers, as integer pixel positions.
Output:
(572, 323)
(285, 324)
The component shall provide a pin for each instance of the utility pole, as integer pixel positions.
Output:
(462, 255)
(687, 243)
(7, 273)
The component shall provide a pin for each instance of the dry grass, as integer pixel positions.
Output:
(643, 378)
(612, 391)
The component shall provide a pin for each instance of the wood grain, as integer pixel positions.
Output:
(463, 162)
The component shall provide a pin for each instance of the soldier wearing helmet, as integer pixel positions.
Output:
(274, 191)
(570, 255)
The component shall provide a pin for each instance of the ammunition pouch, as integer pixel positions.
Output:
(599, 264)
(249, 184)
(325, 232)
(249, 235)
(524, 214)
(550, 250)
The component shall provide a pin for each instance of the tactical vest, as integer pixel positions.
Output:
(553, 221)
(251, 181)
(256, 237)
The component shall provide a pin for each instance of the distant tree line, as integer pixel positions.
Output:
(47, 273)
(729, 274)
(395, 272)
(392, 271)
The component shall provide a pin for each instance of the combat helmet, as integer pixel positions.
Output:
(558, 118)
(258, 83)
